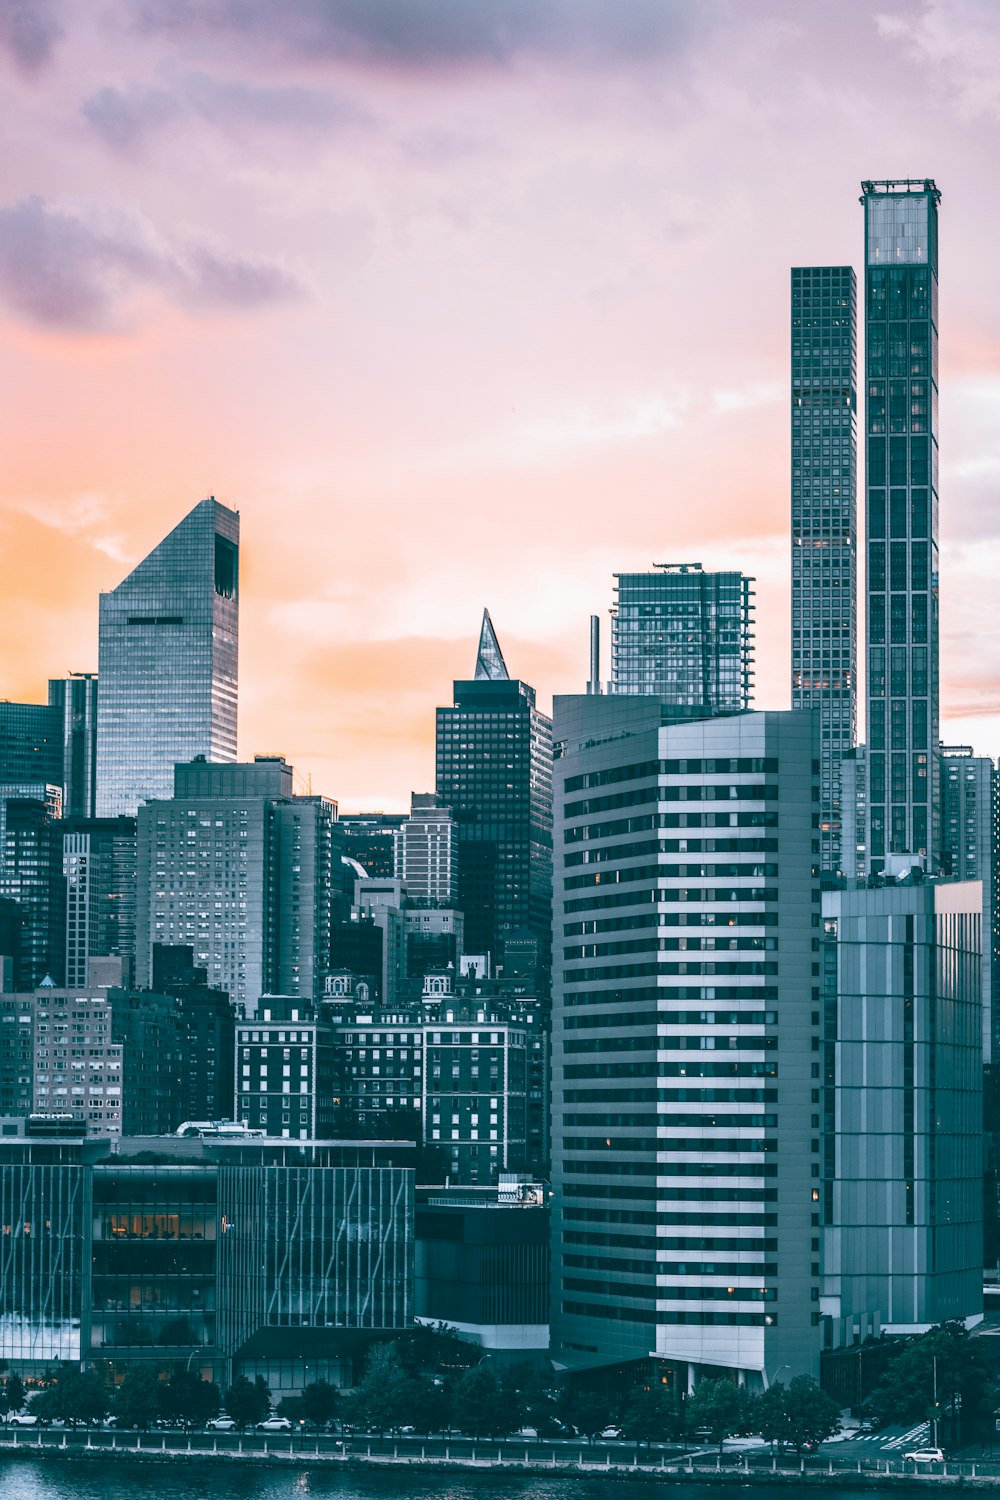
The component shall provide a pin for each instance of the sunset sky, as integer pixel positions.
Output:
(459, 303)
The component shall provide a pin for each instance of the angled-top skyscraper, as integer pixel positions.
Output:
(167, 661)
(494, 770)
(901, 335)
(824, 526)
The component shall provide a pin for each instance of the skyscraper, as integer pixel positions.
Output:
(685, 1221)
(426, 854)
(494, 770)
(901, 336)
(167, 654)
(824, 527)
(970, 807)
(684, 636)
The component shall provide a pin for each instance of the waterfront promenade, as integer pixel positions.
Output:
(668, 1462)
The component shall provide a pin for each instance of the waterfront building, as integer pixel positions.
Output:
(483, 1265)
(494, 770)
(240, 870)
(684, 636)
(824, 526)
(901, 477)
(167, 658)
(685, 1029)
(250, 1256)
(902, 1107)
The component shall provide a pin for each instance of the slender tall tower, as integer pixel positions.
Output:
(901, 472)
(824, 526)
(167, 655)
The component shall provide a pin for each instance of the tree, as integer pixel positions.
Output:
(474, 1401)
(649, 1416)
(319, 1402)
(188, 1398)
(946, 1362)
(427, 1406)
(798, 1414)
(14, 1392)
(137, 1402)
(380, 1400)
(73, 1397)
(587, 1411)
(247, 1403)
(719, 1406)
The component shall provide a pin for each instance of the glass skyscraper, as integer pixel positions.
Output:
(824, 527)
(167, 657)
(494, 770)
(684, 636)
(901, 340)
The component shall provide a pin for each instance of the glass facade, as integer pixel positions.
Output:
(902, 1108)
(44, 1211)
(494, 770)
(824, 528)
(684, 636)
(232, 1251)
(167, 653)
(901, 421)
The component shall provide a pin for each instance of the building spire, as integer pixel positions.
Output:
(490, 665)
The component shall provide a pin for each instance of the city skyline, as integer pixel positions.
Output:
(545, 221)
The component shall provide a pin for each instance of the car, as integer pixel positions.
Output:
(611, 1432)
(22, 1419)
(220, 1424)
(924, 1456)
(274, 1424)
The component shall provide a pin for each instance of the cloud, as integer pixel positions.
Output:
(122, 117)
(429, 33)
(76, 265)
(960, 40)
(29, 29)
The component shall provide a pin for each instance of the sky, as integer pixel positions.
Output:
(460, 303)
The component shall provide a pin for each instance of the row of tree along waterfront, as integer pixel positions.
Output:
(426, 1382)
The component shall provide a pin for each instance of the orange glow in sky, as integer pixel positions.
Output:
(459, 305)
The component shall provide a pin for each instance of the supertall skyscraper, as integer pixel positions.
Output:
(901, 336)
(494, 770)
(168, 661)
(684, 636)
(824, 527)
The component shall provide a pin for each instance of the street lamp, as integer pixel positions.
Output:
(769, 1380)
(200, 1350)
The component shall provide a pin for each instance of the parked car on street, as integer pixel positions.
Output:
(220, 1424)
(924, 1456)
(274, 1424)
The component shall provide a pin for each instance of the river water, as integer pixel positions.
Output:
(124, 1479)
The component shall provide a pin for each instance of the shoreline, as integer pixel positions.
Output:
(659, 1473)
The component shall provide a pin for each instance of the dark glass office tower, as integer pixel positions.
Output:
(167, 656)
(824, 525)
(494, 770)
(684, 636)
(901, 340)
